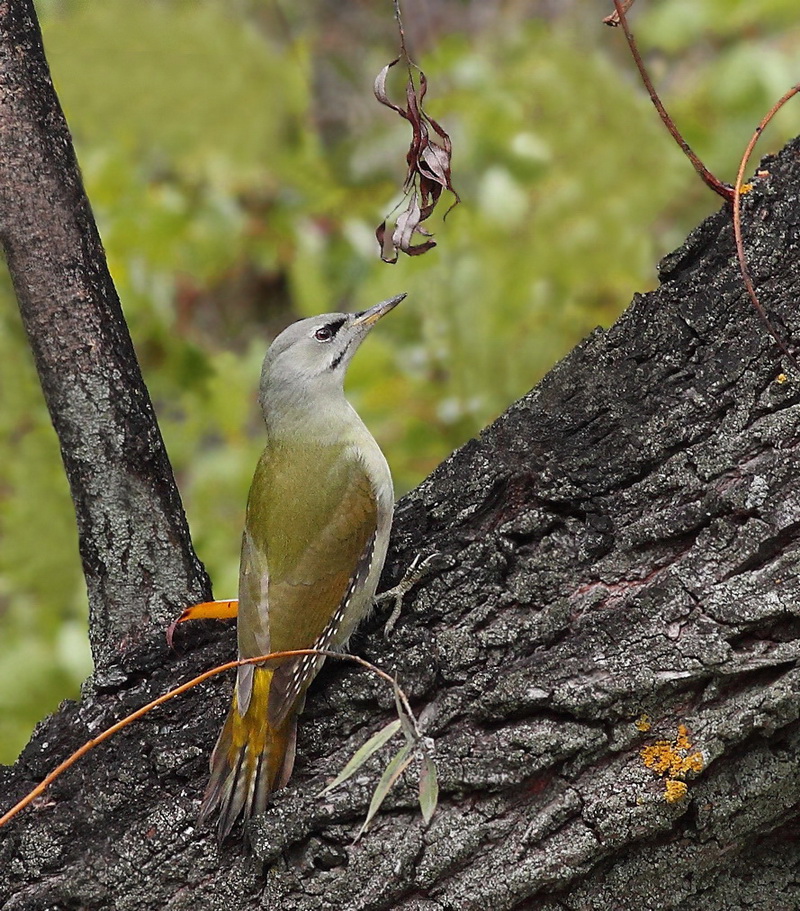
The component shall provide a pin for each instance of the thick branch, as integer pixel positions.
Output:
(137, 555)
(624, 540)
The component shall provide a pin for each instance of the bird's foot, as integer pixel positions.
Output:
(418, 570)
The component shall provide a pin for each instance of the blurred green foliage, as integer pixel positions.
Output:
(229, 205)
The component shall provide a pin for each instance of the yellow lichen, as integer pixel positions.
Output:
(675, 790)
(659, 757)
(682, 740)
(673, 759)
(642, 723)
(745, 188)
(781, 378)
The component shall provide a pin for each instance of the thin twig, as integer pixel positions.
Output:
(404, 55)
(737, 226)
(722, 189)
(184, 687)
(399, 18)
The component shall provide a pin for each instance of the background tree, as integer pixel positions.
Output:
(624, 545)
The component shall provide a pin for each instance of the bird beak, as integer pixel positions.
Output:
(368, 318)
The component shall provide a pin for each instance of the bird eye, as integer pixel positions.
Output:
(323, 334)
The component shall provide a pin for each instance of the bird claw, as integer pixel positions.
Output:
(418, 570)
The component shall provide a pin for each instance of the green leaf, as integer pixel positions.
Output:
(398, 764)
(428, 787)
(362, 754)
(408, 722)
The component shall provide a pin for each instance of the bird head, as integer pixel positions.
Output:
(310, 357)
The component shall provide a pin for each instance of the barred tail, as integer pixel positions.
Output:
(252, 758)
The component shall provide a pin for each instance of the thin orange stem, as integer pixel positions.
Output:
(737, 225)
(184, 687)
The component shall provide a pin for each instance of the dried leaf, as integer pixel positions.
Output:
(363, 753)
(380, 88)
(429, 170)
(388, 249)
(435, 162)
(397, 765)
(408, 224)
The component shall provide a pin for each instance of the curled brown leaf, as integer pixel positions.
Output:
(428, 175)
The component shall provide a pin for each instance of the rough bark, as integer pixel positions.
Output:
(623, 541)
(134, 540)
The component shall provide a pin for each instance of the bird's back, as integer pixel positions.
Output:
(313, 513)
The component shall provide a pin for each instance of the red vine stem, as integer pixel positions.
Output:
(734, 194)
(179, 690)
(722, 189)
(737, 225)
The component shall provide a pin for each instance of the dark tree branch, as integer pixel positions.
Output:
(624, 540)
(137, 555)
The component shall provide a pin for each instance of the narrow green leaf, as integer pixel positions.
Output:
(409, 724)
(362, 754)
(397, 765)
(428, 787)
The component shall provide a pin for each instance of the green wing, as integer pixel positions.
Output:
(312, 514)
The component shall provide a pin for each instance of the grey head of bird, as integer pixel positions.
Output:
(305, 366)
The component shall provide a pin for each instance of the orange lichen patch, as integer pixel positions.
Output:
(745, 188)
(781, 378)
(675, 790)
(674, 760)
(642, 723)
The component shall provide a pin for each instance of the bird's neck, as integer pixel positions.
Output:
(326, 417)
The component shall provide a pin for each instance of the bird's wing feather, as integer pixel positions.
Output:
(306, 553)
(292, 678)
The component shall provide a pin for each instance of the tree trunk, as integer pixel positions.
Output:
(622, 576)
(623, 544)
(137, 556)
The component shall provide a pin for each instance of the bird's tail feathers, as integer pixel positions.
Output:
(252, 758)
